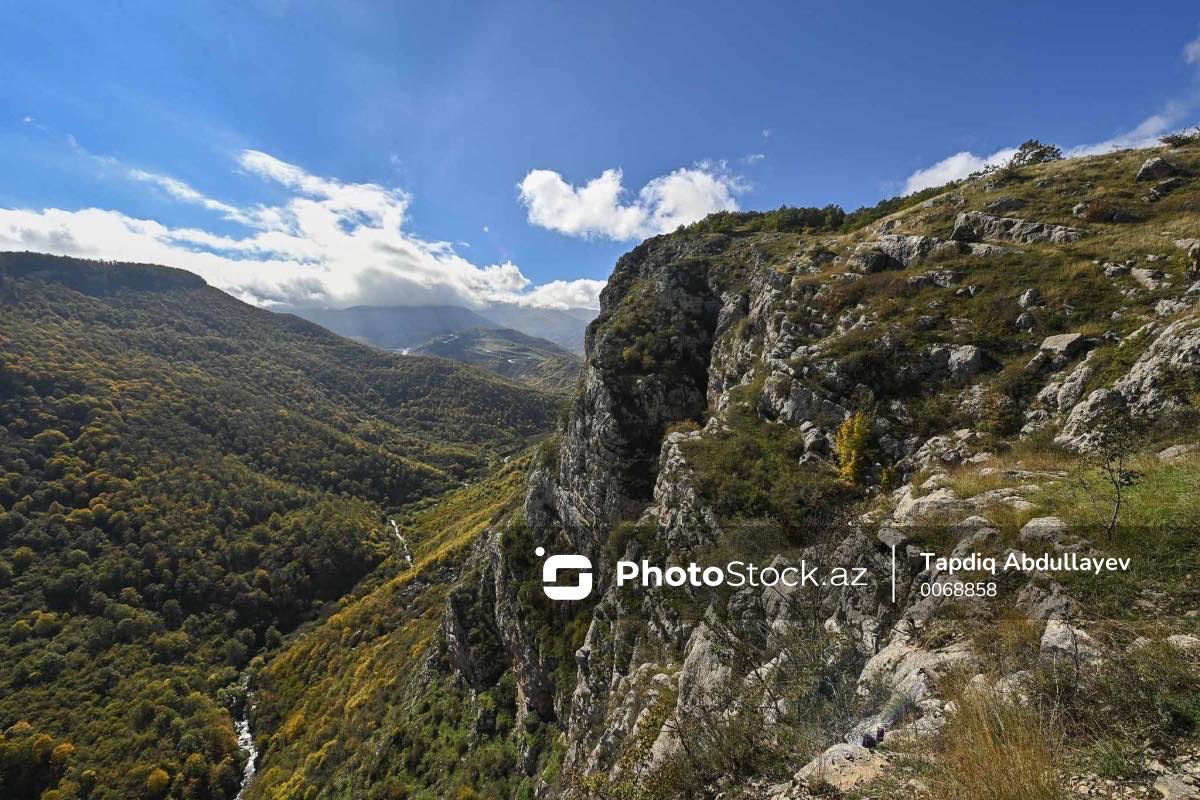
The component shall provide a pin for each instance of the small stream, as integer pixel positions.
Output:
(403, 543)
(246, 741)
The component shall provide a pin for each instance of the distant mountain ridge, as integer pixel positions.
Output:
(536, 362)
(404, 327)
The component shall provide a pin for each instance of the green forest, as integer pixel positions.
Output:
(185, 480)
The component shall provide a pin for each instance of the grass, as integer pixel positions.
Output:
(991, 749)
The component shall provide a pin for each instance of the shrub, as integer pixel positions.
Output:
(1181, 138)
(851, 446)
(1034, 152)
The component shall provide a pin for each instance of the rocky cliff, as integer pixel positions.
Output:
(981, 340)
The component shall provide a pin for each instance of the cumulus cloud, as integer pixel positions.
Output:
(329, 242)
(953, 168)
(580, 293)
(601, 207)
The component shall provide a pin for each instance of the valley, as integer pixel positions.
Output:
(197, 491)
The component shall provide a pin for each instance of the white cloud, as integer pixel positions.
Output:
(956, 167)
(766, 133)
(580, 293)
(597, 209)
(1191, 51)
(328, 243)
(181, 191)
(1145, 134)
(753, 158)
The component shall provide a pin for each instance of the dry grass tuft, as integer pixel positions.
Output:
(992, 749)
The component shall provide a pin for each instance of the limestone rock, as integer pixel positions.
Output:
(1063, 344)
(1061, 641)
(1175, 787)
(1003, 205)
(1152, 279)
(1176, 453)
(973, 226)
(908, 669)
(1044, 530)
(844, 767)
(1176, 352)
(1154, 169)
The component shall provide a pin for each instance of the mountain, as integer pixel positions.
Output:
(564, 327)
(526, 359)
(393, 327)
(184, 481)
(1007, 366)
(404, 327)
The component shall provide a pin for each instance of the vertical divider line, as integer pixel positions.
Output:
(893, 574)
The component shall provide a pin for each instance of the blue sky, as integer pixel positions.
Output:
(353, 152)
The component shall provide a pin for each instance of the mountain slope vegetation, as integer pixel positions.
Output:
(185, 480)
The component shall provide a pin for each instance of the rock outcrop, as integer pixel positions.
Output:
(976, 226)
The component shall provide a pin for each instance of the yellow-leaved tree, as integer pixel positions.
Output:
(850, 444)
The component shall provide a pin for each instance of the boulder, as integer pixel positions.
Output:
(1063, 344)
(1163, 188)
(1169, 308)
(964, 361)
(1152, 279)
(1175, 787)
(1003, 205)
(1154, 169)
(910, 670)
(844, 767)
(1037, 603)
(1044, 530)
(1028, 298)
(1176, 453)
(940, 504)
(1061, 641)
(868, 260)
(973, 226)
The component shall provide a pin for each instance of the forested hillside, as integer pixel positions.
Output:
(185, 479)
